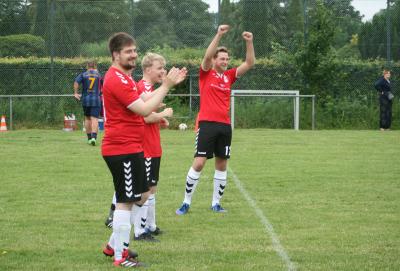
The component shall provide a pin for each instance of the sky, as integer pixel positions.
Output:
(366, 7)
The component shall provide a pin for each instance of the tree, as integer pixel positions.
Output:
(265, 19)
(316, 58)
(347, 19)
(14, 17)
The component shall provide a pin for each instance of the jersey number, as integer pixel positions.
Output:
(92, 80)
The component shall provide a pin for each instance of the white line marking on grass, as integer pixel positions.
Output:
(276, 244)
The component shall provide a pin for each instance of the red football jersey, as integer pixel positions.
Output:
(151, 141)
(215, 95)
(123, 128)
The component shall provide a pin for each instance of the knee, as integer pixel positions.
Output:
(199, 163)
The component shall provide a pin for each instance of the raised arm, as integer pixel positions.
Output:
(206, 64)
(250, 55)
(144, 108)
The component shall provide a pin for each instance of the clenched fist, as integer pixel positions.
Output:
(248, 36)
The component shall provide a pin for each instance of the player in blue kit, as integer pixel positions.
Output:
(90, 98)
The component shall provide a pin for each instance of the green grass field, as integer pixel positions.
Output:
(328, 200)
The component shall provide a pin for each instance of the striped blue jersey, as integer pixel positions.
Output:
(90, 81)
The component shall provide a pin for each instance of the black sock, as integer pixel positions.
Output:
(94, 135)
(89, 136)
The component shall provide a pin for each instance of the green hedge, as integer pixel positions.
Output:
(350, 101)
(23, 45)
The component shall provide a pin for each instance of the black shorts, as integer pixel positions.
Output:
(128, 173)
(213, 138)
(152, 165)
(91, 111)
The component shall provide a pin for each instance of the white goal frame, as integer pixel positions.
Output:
(272, 93)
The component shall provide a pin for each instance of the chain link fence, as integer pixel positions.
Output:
(71, 31)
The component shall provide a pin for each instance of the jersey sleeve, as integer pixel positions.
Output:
(124, 93)
(79, 78)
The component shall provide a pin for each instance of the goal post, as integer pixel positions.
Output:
(295, 94)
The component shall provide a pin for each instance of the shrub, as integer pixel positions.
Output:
(23, 45)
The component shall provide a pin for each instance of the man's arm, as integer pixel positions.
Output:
(250, 55)
(144, 108)
(157, 117)
(76, 89)
(146, 96)
(206, 64)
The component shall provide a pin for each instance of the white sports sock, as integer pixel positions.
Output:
(219, 186)
(121, 232)
(192, 179)
(114, 200)
(140, 219)
(151, 213)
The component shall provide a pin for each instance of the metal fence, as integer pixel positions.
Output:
(47, 110)
(80, 28)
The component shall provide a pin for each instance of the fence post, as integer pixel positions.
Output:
(190, 96)
(313, 113)
(11, 114)
(388, 33)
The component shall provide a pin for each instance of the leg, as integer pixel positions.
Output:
(222, 153)
(109, 220)
(389, 114)
(88, 128)
(192, 179)
(205, 142)
(383, 104)
(125, 169)
(220, 177)
(151, 213)
(94, 122)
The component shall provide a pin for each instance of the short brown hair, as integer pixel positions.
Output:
(385, 71)
(221, 49)
(120, 40)
(91, 64)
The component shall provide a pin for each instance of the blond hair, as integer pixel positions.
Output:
(149, 59)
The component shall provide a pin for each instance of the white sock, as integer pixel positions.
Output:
(192, 180)
(114, 200)
(151, 213)
(140, 219)
(121, 232)
(219, 186)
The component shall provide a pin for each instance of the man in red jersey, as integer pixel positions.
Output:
(153, 67)
(122, 147)
(214, 135)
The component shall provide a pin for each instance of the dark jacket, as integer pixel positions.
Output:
(382, 85)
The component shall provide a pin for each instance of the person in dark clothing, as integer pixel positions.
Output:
(382, 85)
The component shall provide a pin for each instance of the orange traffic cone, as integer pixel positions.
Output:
(3, 125)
